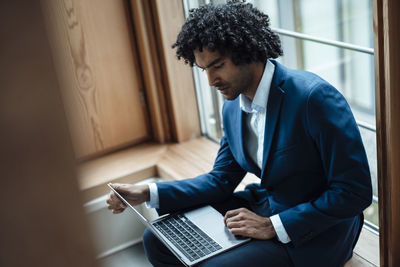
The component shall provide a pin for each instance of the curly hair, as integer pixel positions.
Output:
(235, 28)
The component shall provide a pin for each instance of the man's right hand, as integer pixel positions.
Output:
(134, 194)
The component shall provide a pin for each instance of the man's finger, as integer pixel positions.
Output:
(121, 188)
(236, 216)
(232, 213)
(111, 198)
(116, 211)
(113, 205)
(240, 231)
(114, 200)
(232, 225)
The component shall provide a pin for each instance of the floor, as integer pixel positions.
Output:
(132, 256)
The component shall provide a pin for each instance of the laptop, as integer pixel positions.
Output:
(192, 236)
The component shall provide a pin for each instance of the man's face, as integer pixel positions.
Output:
(231, 80)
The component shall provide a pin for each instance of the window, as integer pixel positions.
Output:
(332, 38)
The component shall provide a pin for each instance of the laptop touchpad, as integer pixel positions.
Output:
(212, 223)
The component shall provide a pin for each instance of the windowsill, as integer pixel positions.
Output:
(180, 161)
(167, 161)
(366, 250)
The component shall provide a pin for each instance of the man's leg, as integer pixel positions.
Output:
(265, 253)
(158, 254)
(268, 253)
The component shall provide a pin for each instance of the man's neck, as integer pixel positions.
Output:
(258, 71)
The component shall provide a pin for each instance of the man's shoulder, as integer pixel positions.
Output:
(304, 80)
(299, 84)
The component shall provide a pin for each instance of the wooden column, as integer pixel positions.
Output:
(42, 222)
(150, 62)
(387, 82)
(177, 77)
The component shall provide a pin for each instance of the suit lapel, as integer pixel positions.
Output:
(240, 120)
(275, 98)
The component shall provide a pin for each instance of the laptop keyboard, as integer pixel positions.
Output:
(187, 237)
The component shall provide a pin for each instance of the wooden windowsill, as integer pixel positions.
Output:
(167, 161)
(180, 161)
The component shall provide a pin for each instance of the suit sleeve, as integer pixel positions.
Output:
(212, 187)
(335, 133)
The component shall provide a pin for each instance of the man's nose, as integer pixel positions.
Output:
(211, 78)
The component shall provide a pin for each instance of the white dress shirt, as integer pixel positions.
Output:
(255, 122)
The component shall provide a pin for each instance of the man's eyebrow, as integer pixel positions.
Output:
(215, 61)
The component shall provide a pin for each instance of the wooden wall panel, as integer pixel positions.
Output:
(97, 67)
(178, 77)
(387, 83)
(42, 221)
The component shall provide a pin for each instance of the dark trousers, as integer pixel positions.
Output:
(269, 253)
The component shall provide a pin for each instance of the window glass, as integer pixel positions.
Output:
(330, 19)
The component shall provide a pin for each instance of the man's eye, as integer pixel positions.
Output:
(219, 66)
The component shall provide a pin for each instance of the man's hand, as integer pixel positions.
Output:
(134, 194)
(246, 223)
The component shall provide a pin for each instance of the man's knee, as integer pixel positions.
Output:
(150, 242)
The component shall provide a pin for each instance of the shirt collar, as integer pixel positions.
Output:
(260, 100)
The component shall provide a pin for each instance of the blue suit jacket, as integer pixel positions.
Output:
(315, 172)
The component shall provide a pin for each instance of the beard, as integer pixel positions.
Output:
(227, 91)
(230, 91)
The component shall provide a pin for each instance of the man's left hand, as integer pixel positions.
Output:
(247, 223)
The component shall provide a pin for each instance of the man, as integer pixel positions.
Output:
(290, 128)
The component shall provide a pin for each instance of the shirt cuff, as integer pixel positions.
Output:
(279, 229)
(154, 202)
